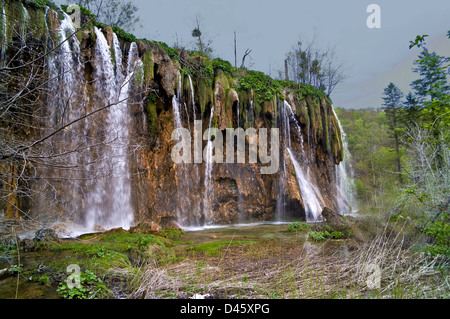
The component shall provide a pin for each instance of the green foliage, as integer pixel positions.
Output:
(439, 232)
(337, 235)
(222, 64)
(419, 41)
(44, 280)
(264, 87)
(173, 233)
(16, 269)
(207, 72)
(433, 70)
(297, 227)
(171, 52)
(91, 287)
(40, 4)
(373, 156)
(124, 35)
(319, 236)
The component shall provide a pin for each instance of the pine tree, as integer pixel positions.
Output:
(432, 69)
(392, 103)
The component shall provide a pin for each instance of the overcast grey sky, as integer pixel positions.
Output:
(373, 57)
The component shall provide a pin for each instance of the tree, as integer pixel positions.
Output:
(311, 65)
(392, 103)
(432, 69)
(411, 108)
(202, 45)
(116, 13)
(433, 94)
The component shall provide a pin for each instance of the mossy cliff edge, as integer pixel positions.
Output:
(162, 191)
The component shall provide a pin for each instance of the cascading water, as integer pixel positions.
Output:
(66, 68)
(310, 193)
(64, 106)
(176, 100)
(3, 38)
(344, 178)
(24, 24)
(191, 86)
(209, 186)
(109, 204)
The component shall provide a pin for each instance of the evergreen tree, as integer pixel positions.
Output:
(393, 104)
(432, 69)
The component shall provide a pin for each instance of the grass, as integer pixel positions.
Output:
(297, 227)
(276, 265)
(283, 268)
(214, 248)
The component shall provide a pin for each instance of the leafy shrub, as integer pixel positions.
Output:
(264, 87)
(125, 35)
(222, 64)
(296, 227)
(91, 287)
(337, 235)
(319, 236)
(439, 232)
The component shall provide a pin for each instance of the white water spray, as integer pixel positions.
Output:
(345, 177)
(209, 183)
(109, 204)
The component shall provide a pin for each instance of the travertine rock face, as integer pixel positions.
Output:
(162, 191)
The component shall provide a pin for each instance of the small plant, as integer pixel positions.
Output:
(16, 269)
(222, 64)
(439, 232)
(44, 280)
(296, 227)
(319, 236)
(337, 235)
(90, 287)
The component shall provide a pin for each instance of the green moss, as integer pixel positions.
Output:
(222, 65)
(173, 233)
(213, 249)
(40, 4)
(264, 87)
(205, 94)
(152, 116)
(297, 227)
(172, 53)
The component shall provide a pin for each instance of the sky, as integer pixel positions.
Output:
(372, 57)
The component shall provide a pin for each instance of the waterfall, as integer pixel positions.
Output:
(24, 24)
(118, 60)
(3, 34)
(176, 100)
(191, 87)
(66, 68)
(109, 203)
(309, 192)
(238, 115)
(284, 124)
(345, 178)
(65, 104)
(251, 115)
(209, 183)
